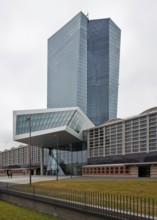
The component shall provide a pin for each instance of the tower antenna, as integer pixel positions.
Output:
(87, 15)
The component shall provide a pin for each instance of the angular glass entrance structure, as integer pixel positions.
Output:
(71, 158)
(61, 131)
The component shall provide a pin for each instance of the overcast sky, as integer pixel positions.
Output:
(25, 26)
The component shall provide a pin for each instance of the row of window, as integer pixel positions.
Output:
(105, 170)
(135, 137)
(136, 123)
(19, 156)
(134, 147)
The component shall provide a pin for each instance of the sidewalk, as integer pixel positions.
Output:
(25, 179)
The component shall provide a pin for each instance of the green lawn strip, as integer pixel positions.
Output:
(13, 212)
(141, 188)
(136, 188)
(116, 193)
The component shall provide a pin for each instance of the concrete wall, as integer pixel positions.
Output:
(153, 171)
(134, 171)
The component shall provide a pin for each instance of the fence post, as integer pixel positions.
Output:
(103, 203)
(130, 205)
(144, 207)
(149, 207)
(126, 208)
(33, 191)
(123, 205)
(137, 206)
(140, 206)
(119, 202)
(85, 200)
(153, 208)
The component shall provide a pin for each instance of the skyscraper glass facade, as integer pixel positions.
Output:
(67, 66)
(102, 70)
(83, 67)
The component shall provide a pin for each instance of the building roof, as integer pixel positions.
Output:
(149, 110)
(113, 120)
(116, 120)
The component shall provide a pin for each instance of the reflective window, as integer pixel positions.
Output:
(48, 120)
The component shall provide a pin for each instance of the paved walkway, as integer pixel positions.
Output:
(25, 179)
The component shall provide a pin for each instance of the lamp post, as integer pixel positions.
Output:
(30, 164)
(57, 156)
(71, 162)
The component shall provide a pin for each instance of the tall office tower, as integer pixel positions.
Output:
(83, 67)
(103, 52)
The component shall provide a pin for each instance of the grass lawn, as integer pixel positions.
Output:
(142, 188)
(115, 192)
(131, 189)
(12, 212)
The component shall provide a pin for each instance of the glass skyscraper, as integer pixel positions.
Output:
(82, 90)
(83, 67)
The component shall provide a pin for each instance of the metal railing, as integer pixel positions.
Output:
(110, 206)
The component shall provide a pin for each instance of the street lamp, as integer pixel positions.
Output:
(57, 156)
(71, 161)
(30, 164)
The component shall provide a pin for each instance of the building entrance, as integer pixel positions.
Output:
(144, 171)
(70, 159)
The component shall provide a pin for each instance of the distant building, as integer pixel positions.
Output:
(17, 159)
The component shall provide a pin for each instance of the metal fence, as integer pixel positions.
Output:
(108, 206)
